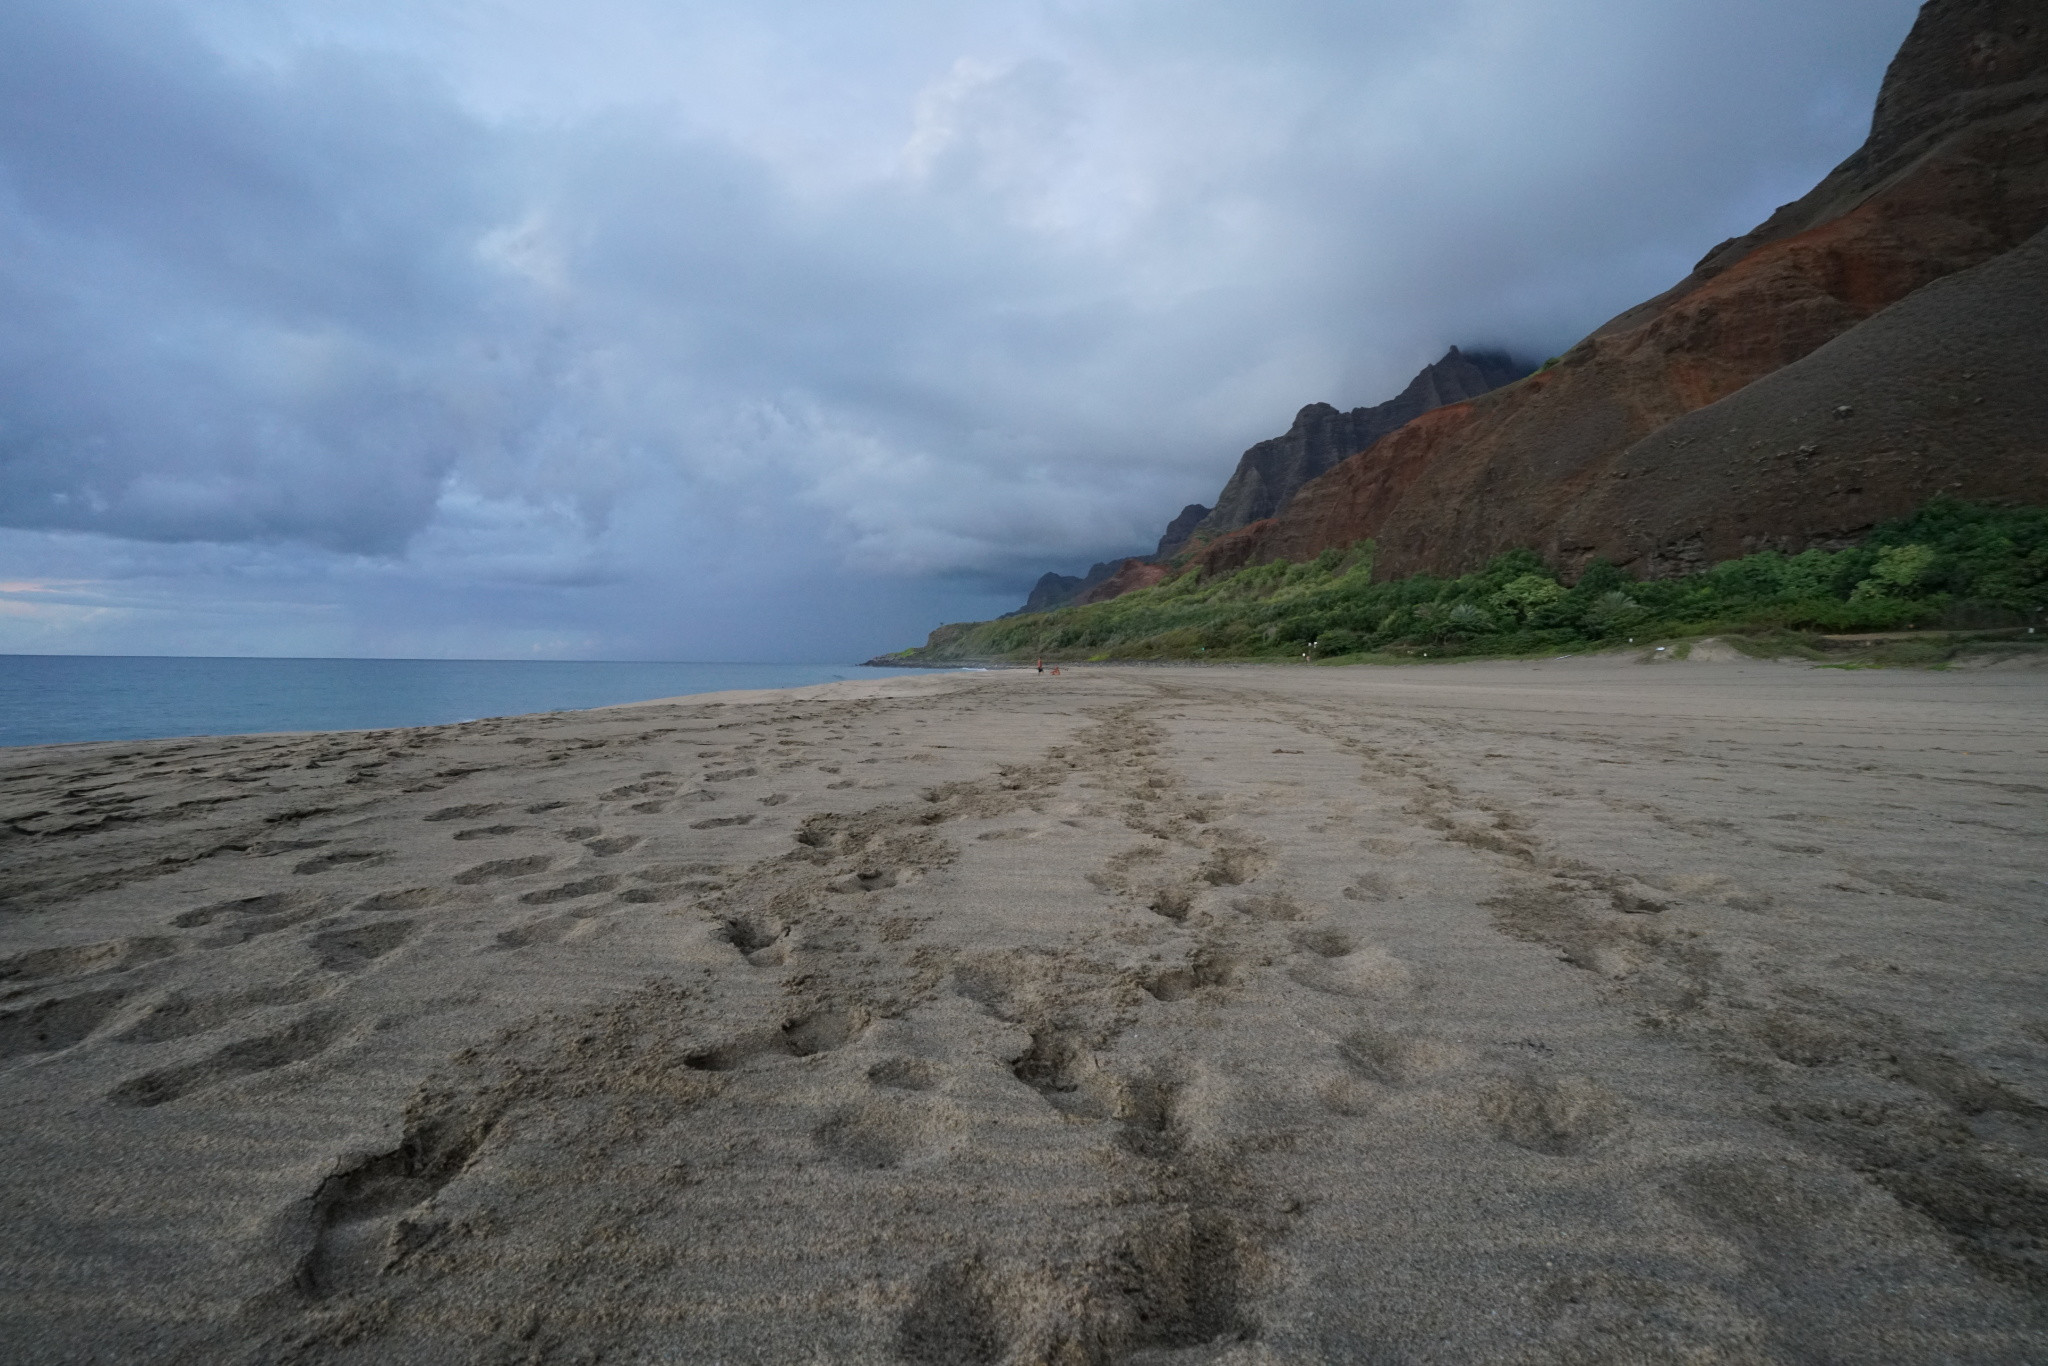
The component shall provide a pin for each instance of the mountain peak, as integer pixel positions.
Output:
(1268, 474)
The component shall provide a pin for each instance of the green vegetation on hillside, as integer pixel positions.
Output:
(1951, 564)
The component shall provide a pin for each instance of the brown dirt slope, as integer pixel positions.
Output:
(1131, 575)
(1943, 392)
(1955, 173)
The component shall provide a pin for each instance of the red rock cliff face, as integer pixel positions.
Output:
(1130, 576)
(1336, 511)
(1945, 392)
(1955, 173)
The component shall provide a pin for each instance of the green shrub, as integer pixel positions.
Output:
(1466, 619)
(1340, 641)
(1613, 612)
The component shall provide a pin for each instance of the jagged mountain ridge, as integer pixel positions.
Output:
(1179, 530)
(1057, 590)
(1269, 473)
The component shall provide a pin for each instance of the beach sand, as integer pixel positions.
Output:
(1581, 1011)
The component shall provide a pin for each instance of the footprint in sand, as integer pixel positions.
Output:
(465, 813)
(1390, 1058)
(247, 917)
(877, 879)
(57, 1024)
(1365, 972)
(1370, 887)
(267, 904)
(571, 891)
(904, 1074)
(1326, 941)
(1176, 1282)
(182, 1016)
(490, 832)
(498, 869)
(78, 960)
(1560, 1117)
(1208, 966)
(572, 926)
(307, 1038)
(405, 899)
(360, 1215)
(801, 1036)
(352, 950)
(763, 943)
(1233, 865)
(683, 877)
(342, 858)
(645, 789)
(1149, 1122)
(1271, 906)
(878, 1135)
(1173, 903)
(1062, 1068)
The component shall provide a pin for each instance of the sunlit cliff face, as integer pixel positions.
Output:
(777, 330)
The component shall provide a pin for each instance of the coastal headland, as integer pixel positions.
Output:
(1566, 1011)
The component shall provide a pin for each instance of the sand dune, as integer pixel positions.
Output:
(1575, 1012)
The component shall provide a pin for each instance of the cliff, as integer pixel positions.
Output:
(1057, 590)
(1179, 530)
(1268, 474)
(1953, 175)
(1945, 392)
(1130, 575)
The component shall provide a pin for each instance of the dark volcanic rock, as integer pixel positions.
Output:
(1057, 590)
(1268, 474)
(1954, 174)
(1051, 590)
(1179, 529)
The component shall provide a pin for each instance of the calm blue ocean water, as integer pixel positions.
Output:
(52, 699)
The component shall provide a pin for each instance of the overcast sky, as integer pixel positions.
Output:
(787, 329)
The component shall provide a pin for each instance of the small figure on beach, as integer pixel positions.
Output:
(1041, 666)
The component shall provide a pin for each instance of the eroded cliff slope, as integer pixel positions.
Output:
(1953, 175)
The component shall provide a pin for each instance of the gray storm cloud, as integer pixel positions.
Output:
(786, 330)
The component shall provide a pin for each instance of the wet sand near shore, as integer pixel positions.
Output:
(1578, 1011)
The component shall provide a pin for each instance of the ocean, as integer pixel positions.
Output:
(56, 699)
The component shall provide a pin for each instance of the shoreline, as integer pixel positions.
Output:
(175, 697)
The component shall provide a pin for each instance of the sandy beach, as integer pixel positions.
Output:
(1581, 1011)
